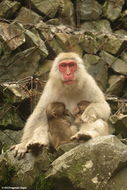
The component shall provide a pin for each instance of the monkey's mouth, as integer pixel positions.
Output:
(69, 82)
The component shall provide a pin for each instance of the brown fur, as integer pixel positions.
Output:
(59, 121)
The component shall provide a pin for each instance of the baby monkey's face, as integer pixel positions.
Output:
(82, 106)
(55, 110)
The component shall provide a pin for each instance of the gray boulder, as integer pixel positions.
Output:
(88, 9)
(92, 165)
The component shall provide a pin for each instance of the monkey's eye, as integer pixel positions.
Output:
(63, 64)
(71, 64)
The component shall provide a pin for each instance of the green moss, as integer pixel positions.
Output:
(43, 184)
(7, 178)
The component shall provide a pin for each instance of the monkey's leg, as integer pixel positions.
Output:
(101, 127)
(92, 130)
(81, 136)
(96, 111)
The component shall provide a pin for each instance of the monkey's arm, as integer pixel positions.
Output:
(36, 128)
(98, 108)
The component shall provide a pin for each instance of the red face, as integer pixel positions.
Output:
(67, 69)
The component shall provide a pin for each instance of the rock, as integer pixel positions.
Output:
(3, 170)
(73, 44)
(28, 168)
(108, 58)
(53, 21)
(47, 8)
(66, 12)
(10, 118)
(12, 35)
(112, 9)
(6, 95)
(65, 148)
(124, 19)
(97, 68)
(100, 73)
(118, 181)
(111, 42)
(99, 26)
(124, 120)
(119, 122)
(27, 17)
(9, 114)
(44, 32)
(25, 171)
(37, 42)
(124, 56)
(18, 64)
(15, 87)
(93, 165)
(88, 9)
(116, 85)
(0, 147)
(122, 33)
(64, 42)
(90, 59)
(8, 8)
(1, 48)
(44, 69)
(120, 67)
(125, 92)
(125, 4)
(56, 44)
(62, 29)
(93, 42)
(116, 64)
(9, 138)
(89, 43)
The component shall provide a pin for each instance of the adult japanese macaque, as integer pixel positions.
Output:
(68, 83)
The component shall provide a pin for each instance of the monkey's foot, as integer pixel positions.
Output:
(19, 150)
(81, 136)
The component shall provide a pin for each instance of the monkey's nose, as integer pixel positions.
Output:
(68, 72)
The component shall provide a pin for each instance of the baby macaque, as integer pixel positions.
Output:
(59, 121)
(78, 122)
(81, 108)
(96, 127)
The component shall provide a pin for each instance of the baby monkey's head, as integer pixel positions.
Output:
(55, 110)
(82, 106)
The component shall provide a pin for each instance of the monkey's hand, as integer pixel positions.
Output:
(19, 150)
(81, 136)
(39, 140)
(36, 145)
